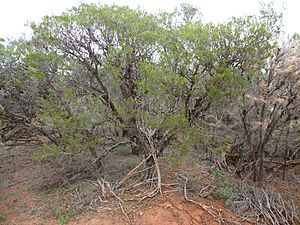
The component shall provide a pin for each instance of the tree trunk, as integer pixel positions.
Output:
(131, 132)
(261, 166)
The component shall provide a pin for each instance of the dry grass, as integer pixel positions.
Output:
(262, 206)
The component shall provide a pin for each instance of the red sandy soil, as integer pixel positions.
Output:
(21, 206)
(169, 209)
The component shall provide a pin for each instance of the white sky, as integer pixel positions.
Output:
(15, 13)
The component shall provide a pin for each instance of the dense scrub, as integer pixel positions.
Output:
(98, 77)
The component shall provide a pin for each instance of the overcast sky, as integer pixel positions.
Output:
(15, 13)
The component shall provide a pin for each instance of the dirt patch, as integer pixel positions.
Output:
(28, 197)
(174, 210)
(20, 207)
(23, 203)
(169, 209)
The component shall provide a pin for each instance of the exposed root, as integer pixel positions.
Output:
(107, 191)
(123, 211)
(211, 210)
(137, 182)
(142, 182)
(146, 176)
(133, 172)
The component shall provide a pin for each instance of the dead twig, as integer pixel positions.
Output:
(265, 206)
(211, 210)
(131, 172)
(123, 211)
(108, 150)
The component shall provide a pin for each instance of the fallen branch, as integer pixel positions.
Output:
(131, 172)
(106, 184)
(211, 210)
(289, 163)
(123, 211)
(108, 150)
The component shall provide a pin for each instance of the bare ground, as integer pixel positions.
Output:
(36, 192)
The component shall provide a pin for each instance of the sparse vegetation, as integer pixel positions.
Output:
(3, 197)
(62, 217)
(224, 190)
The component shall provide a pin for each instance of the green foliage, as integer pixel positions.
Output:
(224, 189)
(130, 164)
(173, 160)
(74, 122)
(62, 217)
(97, 66)
(225, 83)
(46, 150)
(296, 37)
(122, 150)
(221, 148)
(3, 197)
